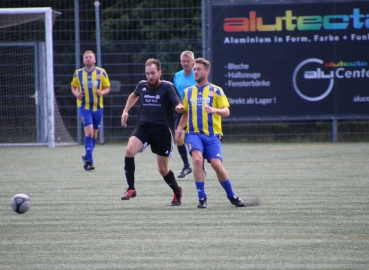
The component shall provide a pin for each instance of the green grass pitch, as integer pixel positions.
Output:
(314, 212)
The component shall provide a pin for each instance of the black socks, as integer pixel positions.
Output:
(171, 181)
(129, 169)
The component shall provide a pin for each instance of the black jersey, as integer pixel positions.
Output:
(157, 105)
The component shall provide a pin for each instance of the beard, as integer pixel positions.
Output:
(200, 79)
(153, 84)
(89, 66)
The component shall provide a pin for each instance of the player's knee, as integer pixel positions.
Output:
(163, 171)
(179, 142)
(89, 133)
(130, 151)
(197, 161)
(217, 166)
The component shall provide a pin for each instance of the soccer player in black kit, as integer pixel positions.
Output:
(158, 99)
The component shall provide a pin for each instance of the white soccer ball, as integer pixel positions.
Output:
(21, 203)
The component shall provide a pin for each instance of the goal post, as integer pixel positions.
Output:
(26, 44)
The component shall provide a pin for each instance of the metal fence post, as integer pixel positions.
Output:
(78, 63)
(98, 46)
(334, 130)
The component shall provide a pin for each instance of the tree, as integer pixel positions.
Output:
(159, 29)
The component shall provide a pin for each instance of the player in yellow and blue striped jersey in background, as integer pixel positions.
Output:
(89, 85)
(204, 106)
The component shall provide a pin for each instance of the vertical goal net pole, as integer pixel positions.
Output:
(50, 77)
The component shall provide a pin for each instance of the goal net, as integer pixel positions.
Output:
(28, 111)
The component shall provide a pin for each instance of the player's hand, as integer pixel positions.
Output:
(179, 108)
(80, 95)
(124, 119)
(209, 109)
(99, 93)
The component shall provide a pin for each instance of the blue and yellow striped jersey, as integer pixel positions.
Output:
(88, 82)
(194, 101)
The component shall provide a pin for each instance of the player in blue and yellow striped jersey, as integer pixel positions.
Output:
(89, 85)
(204, 106)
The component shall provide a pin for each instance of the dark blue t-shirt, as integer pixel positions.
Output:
(157, 105)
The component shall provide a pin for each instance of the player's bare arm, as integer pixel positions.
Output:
(103, 92)
(132, 99)
(182, 123)
(223, 112)
(76, 93)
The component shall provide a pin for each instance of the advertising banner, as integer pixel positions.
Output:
(291, 60)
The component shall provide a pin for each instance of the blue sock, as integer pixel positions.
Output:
(200, 189)
(183, 153)
(228, 188)
(93, 143)
(89, 148)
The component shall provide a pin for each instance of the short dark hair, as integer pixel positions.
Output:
(154, 61)
(203, 61)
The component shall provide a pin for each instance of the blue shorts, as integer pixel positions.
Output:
(89, 117)
(209, 146)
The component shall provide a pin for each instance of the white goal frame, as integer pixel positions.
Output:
(48, 15)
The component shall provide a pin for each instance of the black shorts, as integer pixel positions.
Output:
(159, 137)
